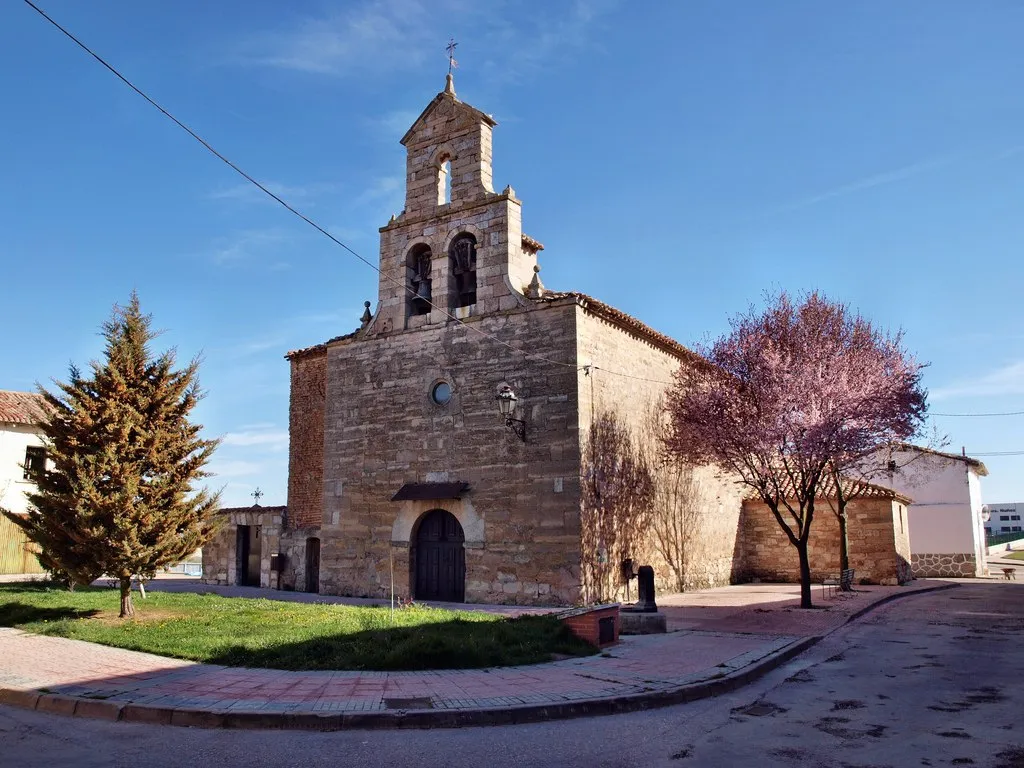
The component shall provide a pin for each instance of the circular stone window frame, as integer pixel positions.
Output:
(435, 386)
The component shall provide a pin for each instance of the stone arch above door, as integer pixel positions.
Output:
(411, 511)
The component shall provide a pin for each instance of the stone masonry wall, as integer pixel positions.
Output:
(306, 439)
(454, 131)
(878, 547)
(220, 553)
(382, 430)
(710, 523)
(931, 565)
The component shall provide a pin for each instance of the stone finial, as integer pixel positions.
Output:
(449, 84)
(367, 317)
(509, 191)
(535, 290)
(393, 219)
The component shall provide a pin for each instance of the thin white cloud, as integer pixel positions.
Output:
(870, 182)
(248, 193)
(375, 36)
(1008, 380)
(273, 440)
(235, 468)
(392, 125)
(258, 425)
(522, 51)
(379, 37)
(245, 245)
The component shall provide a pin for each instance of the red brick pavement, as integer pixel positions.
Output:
(717, 632)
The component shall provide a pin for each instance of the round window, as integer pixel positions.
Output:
(441, 393)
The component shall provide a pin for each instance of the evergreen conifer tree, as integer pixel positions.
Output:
(119, 496)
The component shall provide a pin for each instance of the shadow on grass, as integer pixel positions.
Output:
(456, 644)
(18, 614)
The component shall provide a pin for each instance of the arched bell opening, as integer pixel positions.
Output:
(418, 266)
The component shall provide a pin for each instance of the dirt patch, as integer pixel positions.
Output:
(847, 704)
(836, 726)
(759, 709)
(985, 695)
(1011, 758)
(803, 676)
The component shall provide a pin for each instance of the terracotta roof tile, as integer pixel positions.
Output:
(531, 244)
(864, 490)
(21, 407)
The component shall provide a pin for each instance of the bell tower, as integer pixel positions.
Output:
(457, 249)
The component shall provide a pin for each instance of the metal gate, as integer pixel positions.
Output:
(440, 558)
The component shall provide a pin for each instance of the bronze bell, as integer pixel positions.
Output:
(423, 290)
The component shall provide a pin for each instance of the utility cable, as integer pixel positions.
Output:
(277, 198)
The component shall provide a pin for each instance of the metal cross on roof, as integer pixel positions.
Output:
(257, 494)
(452, 63)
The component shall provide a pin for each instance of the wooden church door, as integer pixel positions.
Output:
(440, 558)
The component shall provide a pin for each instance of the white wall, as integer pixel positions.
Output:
(13, 440)
(945, 516)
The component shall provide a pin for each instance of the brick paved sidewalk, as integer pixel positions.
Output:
(82, 678)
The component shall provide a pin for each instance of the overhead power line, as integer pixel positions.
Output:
(294, 211)
(1007, 413)
(287, 206)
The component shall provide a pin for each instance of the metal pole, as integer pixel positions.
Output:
(391, 564)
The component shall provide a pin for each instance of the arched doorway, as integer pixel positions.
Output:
(439, 558)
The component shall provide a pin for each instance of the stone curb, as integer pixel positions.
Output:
(889, 598)
(427, 718)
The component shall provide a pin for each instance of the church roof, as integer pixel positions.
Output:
(310, 351)
(624, 321)
(588, 303)
(21, 407)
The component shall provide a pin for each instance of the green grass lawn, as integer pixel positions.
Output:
(277, 635)
(1013, 555)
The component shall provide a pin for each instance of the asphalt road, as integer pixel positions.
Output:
(931, 680)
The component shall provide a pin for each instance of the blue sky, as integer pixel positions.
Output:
(676, 159)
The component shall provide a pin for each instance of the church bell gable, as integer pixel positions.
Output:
(457, 249)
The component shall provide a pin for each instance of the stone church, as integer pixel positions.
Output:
(445, 450)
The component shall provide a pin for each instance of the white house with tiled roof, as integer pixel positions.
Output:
(21, 447)
(21, 454)
(947, 532)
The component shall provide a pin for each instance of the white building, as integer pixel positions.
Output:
(21, 454)
(1005, 518)
(947, 533)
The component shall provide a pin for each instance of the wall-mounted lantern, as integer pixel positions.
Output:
(507, 406)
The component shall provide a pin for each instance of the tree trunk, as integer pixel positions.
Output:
(142, 589)
(844, 541)
(127, 608)
(805, 575)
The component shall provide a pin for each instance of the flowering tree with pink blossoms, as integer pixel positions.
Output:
(788, 393)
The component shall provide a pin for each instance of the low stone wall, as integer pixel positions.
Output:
(878, 540)
(929, 564)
